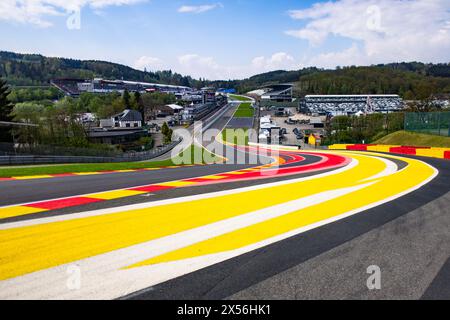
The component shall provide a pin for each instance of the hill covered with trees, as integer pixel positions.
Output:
(36, 70)
(410, 80)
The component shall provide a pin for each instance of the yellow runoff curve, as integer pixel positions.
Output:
(38, 247)
(385, 188)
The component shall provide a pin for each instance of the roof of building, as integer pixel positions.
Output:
(352, 95)
(114, 133)
(129, 115)
(316, 120)
(174, 106)
(276, 93)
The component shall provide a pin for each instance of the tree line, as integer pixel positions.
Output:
(59, 123)
(410, 80)
(37, 70)
(362, 129)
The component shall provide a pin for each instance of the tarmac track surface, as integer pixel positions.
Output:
(306, 226)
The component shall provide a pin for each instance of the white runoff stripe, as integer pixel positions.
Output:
(86, 214)
(115, 282)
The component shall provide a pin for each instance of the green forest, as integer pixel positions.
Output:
(37, 70)
(409, 80)
(412, 80)
(26, 95)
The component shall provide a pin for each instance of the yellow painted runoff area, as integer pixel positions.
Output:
(33, 177)
(213, 177)
(14, 211)
(110, 195)
(390, 186)
(86, 173)
(176, 184)
(38, 247)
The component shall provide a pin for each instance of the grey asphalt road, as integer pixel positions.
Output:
(408, 239)
(24, 191)
(165, 194)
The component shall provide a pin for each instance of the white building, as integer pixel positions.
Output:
(126, 119)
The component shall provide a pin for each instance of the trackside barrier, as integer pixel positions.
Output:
(44, 159)
(441, 153)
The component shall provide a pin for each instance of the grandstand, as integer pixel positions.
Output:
(277, 93)
(74, 87)
(351, 104)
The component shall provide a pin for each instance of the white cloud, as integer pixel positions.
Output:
(199, 66)
(329, 60)
(203, 67)
(199, 9)
(278, 61)
(37, 12)
(149, 63)
(388, 30)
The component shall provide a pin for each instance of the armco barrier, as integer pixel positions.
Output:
(441, 153)
(132, 157)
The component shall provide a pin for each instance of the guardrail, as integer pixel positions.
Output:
(127, 157)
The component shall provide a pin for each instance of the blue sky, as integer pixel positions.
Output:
(230, 38)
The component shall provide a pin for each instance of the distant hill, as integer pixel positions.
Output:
(411, 80)
(36, 70)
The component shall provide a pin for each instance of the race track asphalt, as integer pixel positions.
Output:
(408, 239)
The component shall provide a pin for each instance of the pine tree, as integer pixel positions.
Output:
(5, 105)
(126, 99)
(6, 108)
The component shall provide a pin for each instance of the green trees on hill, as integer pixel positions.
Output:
(36, 70)
(57, 124)
(5, 110)
(5, 103)
(373, 80)
(167, 133)
(409, 80)
(368, 128)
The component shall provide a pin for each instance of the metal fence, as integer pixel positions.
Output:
(437, 123)
(9, 159)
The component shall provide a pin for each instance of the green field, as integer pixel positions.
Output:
(6, 172)
(239, 98)
(244, 110)
(405, 138)
(236, 136)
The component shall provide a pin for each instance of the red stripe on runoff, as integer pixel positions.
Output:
(151, 188)
(63, 203)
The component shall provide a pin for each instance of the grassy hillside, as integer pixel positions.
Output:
(405, 138)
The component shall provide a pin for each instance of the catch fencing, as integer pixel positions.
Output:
(437, 123)
(6, 158)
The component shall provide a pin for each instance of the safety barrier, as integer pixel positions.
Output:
(441, 153)
(127, 157)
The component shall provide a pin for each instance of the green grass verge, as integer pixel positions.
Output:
(95, 167)
(405, 138)
(245, 110)
(236, 136)
(239, 98)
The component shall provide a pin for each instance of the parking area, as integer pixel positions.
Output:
(293, 131)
